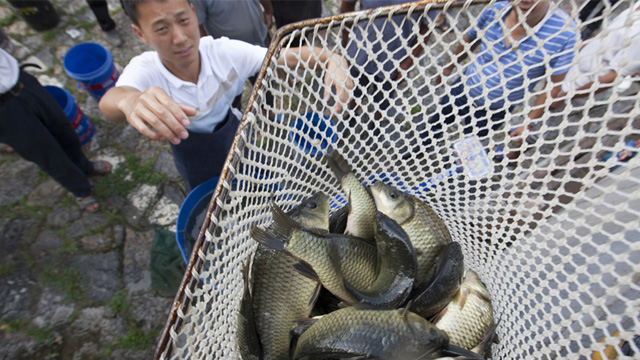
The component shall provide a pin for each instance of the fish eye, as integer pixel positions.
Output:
(393, 194)
(312, 205)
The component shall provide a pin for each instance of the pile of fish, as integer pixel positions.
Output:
(380, 278)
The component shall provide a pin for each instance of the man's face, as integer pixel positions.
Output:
(170, 28)
(526, 5)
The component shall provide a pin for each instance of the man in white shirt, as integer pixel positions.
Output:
(35, 126)
(183, 91)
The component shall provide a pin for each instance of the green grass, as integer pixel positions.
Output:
(66, 280)
(20, 208)
(13, 326)
(117, 183)
(41, 335)
(119, 303)
(69, 246)
(136, 338)
(114, 184)
(49, 35)
(5, 268)
(143, 172)
(8, 20)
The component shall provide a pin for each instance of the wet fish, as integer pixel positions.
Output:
(370, 334)
(428, 233)
(398, 266)
(437, 291)
(247, 339)
(362, 208)
(331, 257)
(469, 315)
(338, 220)
(280, 295)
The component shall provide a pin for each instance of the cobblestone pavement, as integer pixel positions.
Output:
(76, 285)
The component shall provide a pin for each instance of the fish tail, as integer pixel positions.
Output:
(283, 224)
(337, 164)
(452, 350)
(268, 239)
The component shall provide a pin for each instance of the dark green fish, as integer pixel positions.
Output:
(398, 266)
(428, 233)
(247, 341)
(370, 334)
(469, 316)
(362, 208)
(280, 295)
(437, 291)
(333, 257)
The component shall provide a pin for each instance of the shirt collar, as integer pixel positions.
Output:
(176, 81)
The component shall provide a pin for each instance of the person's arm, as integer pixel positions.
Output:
(268, 14)
(604, 83)
(346, 6)
(417, 50)
(538, 108)
(460, 54)
(152, 112)
(336, 73)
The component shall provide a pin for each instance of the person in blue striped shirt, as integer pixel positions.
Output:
(519, 45)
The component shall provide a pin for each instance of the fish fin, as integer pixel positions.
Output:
(267, 239)
(462, 296)
(452, 350)
(436, 318)
(318, 231)
(302, 325)
(305, 269)
(313, 299)
(490, 337)
(282, 223)
(338, 220)
(337, 164)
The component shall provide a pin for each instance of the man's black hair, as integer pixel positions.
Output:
(130, 8)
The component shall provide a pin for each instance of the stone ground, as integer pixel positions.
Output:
(76, 285)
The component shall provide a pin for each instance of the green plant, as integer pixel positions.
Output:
(5, 268)
(136, 338)
(143, 172)
(41, 335)
(8, 20)
(66, 280)
(69, 246)
(118, 302)
(42, 175)
(13, 326)
(114, 184)
(49, 35)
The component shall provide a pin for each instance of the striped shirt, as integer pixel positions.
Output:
(499, 70)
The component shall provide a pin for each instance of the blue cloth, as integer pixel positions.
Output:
(383, 38)
(502, 70)
(464, 111)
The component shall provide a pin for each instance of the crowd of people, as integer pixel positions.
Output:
(185, 90)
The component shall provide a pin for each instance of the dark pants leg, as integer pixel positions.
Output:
(101, 11)
(448, 116)
(35, 126)
(202, 156)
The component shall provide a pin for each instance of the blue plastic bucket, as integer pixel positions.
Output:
(80, 122)
(91, 65)
(191, 210)
(315, 133)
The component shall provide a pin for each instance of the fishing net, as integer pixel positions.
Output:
(553, 232)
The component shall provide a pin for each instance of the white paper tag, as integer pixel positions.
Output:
(473, 158)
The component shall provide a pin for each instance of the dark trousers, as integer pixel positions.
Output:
(101, 11)
(35, 126)
(202, 156)
(587, 9)
(466, 112)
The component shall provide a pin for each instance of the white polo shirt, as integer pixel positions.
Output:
(225, 66)
(616, 48)
(9, 71)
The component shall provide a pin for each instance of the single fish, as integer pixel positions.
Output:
(428, 233)
(362, 208)
(247, 339)
(370, 334)
(469, 316)
(338, 220)
(331, 257)
(437, 291)
(398, 266)
(281, 295)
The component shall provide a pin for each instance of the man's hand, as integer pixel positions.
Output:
(446, 72)
(155, 115)
(337, 75)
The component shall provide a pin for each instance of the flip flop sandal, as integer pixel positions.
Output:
(443, 26)
(85, 202)
(101, 167)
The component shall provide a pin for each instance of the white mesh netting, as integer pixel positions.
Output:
(553, 233)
